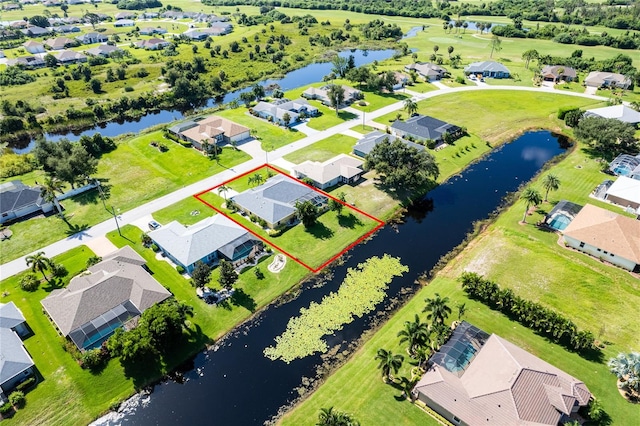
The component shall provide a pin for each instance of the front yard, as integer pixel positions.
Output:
(323, 150)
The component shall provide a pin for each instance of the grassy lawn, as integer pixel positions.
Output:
(497, 116)
(323, 150)
(67, 394)
(595, 296)
(182, 212)
(154, 173)
(328, 118)
(377, 100)
(271, 136)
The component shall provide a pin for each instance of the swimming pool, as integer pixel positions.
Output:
(560, 222)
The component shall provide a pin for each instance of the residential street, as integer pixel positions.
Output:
(96, 233)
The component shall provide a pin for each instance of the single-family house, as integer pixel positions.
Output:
(607, 79)
(626, 165)
(16, 364)
(19, 200)
(625, 192)
(92, 37)
(152, 31)
(150, 15)
(275, 200)
(19, 24)
(68, 29)
(33, 47)
(427, 70)
(35, 31)
(102, 50)
(322, 94)
(423, 127)
(10, 6)
(401, 79)
(52, 3)
(214, 130)
(220, 27)
(59, 43)
(366, 144)
(556, 73)
(152, 44)
(605, 235)
(124, 15)
(208, 241)
(275, 111)
(481, 379)
(103, 299)
(124, 23)
(489, 69)
(340, 169)
(66, 57)
(30, 62)
(619, 112)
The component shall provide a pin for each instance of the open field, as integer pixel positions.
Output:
(155, 174)
(323, 150)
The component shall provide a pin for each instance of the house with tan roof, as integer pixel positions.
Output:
(59, 43)
(33, 46)
(556, 73)
(342, 168)
(214, 130)
(105, 298)
(427, 70)
(481, 379)
(605, 235)
(607, 79)
(322, 94)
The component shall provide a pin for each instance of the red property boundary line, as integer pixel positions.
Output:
(379, 225)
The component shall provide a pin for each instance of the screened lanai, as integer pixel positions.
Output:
(562, 214)
(456, 354)
(624, 164)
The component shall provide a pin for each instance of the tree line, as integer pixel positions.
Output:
(540, 319)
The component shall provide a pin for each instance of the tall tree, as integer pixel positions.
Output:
(338, 205)
(336, 96)
(223, 189)
(340, 66)
(39, 263)
(530, 197)
(496, 45)
(388, 362)
(410, 106)
(438, 309)
(607, 136)
(415, 333)
(258, 91)
(228, 275)
(48, 191)
(528, 55)
(307, 213)
(550, 183)
(201, 275)
(450, 51)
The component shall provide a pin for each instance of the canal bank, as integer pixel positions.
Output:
(242, 387)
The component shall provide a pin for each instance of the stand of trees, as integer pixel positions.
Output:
(607, 136)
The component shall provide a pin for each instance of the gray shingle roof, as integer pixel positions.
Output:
(275, 200)
(370, 140)
(118, 278)
(14, 358)
(15, 195)
(10, 315)
(424, 127)
(193, 243)
(491, 66)
(619, 112)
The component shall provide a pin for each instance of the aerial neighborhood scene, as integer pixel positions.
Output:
(320, 212)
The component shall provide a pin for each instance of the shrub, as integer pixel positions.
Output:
(17, 399)
(461, 80)
(155, 247)
(128, 89)
(6, 409)
(29, 282)
(26, 384)
(180, 269)
(59, 270)
(562, 112)
(93, 260)
(259, 274)
(14, 164)
(94, 358)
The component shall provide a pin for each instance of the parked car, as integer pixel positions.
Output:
(153, 225)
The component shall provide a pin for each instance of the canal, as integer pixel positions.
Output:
(236, 385)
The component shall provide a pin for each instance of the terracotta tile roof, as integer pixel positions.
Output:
(213, 126)
(607, 230)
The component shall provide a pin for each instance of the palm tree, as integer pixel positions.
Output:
(627, 368)
(437, 308)
(388, 362)
(410, 106)
(48, 191)
(415, 333)
(328, 417)
(407, 386)
(223, 189)
(462, 309)
(450, 50)
(531, 197)
(550, 183)
(256, 179)
(38, 262)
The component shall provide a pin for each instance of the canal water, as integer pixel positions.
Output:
(237, 385)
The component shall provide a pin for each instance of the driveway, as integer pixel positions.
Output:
(590, 90)
(304, 128)
(253, 148)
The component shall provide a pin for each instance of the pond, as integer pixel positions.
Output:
(237, 385)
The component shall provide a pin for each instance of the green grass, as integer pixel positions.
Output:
(323, 150)
(377, 100)
(135, 173)
(67, 394)
(328, 118)
(181, 211)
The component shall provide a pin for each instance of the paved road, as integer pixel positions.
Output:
(98, 231)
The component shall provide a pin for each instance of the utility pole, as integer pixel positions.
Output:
(112, 211)
(363, 114)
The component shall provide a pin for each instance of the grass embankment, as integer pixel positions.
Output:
(133, 174)
(313, 246)
(594, 295)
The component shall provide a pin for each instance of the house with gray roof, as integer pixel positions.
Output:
(18, 200)
(59, 43)
(619, 112)
(275, 200)
(322, 94)
(476, 378)
(365, 145)
(208, 241)
(556, 73)
(124, 23)
(16, 364)
(66, 57)
(104, 298)
(30, 62)
(489, 69)
(427, 70)
(102, 50)
(92, 37)
(342, 168)
(425, 128)
(276, 110)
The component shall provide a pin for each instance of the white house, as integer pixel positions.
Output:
(340, 169)
(625, 192)
(605, 235)
(124, 23)
(33, 47)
